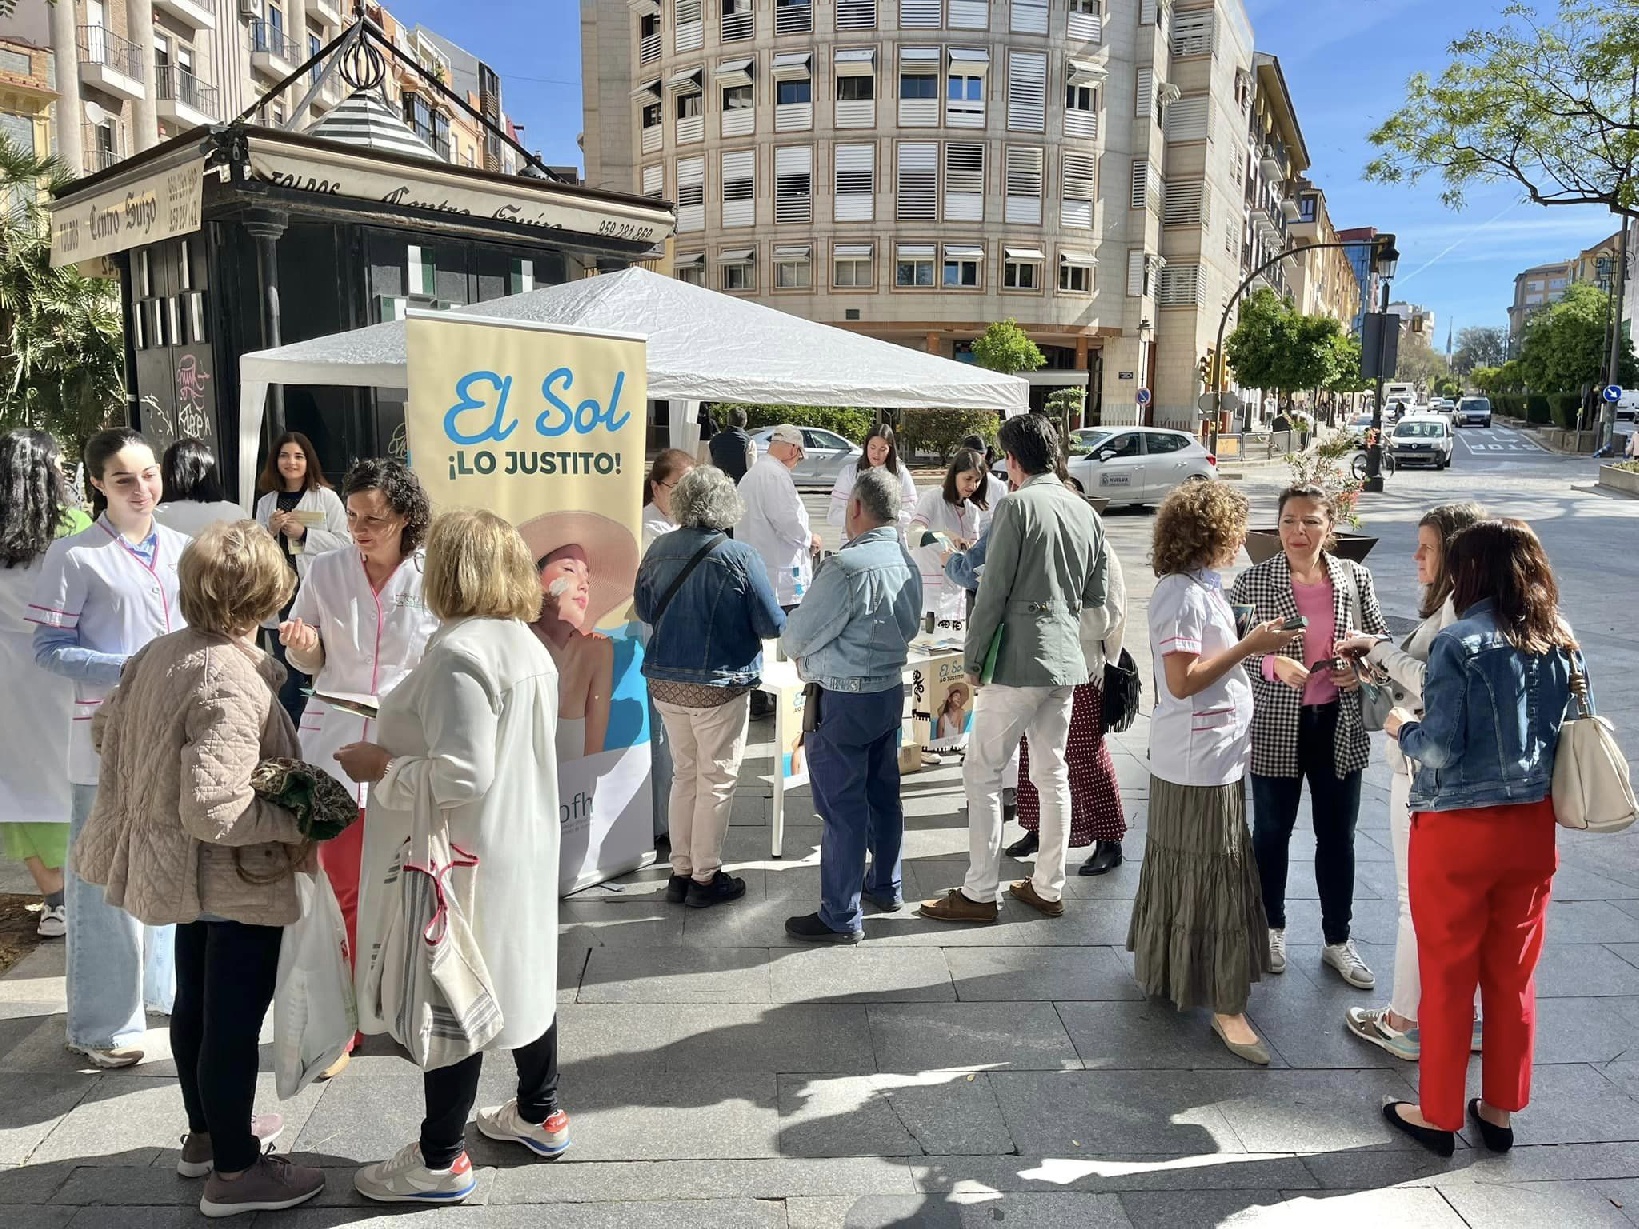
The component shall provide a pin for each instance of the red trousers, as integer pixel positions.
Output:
(1479, 900)
(341, 859)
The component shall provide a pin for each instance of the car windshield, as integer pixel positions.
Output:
(1090, 440)
(1475, 403)
(1420, 430)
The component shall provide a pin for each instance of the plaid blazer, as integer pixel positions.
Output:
(1277, 707)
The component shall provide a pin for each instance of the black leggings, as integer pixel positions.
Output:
(225, 975)
(451, 1091)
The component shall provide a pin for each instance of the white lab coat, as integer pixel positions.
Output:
(319, 539)
(471, 734)
(193, 517)
(940, 596)
(842, 490)
(34, 721)
(371, 641)
(776, 527)
(94, 585)
(655, 524)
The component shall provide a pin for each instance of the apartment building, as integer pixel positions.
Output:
(129, 74)
(1324, 282)
(1535, 289)
(915, 169)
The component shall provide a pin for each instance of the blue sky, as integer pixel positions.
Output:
(1346, 62)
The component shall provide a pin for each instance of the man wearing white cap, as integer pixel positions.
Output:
(776, 523)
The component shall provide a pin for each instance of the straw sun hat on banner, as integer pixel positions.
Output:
(611, 554)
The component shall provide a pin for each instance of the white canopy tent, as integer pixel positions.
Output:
(702, 346)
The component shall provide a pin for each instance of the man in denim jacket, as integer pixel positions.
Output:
(851, 636)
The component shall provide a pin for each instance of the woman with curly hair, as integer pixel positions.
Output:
(358, 626)
(1198, 935)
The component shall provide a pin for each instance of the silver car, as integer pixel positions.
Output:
(1139, 465)
(1473, 410)
(825, 454)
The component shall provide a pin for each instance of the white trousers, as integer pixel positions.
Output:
(707, 747)
(1001, 716)
(1408, 986)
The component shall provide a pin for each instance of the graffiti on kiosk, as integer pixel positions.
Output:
(192, 404)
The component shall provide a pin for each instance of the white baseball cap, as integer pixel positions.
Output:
(785, 433)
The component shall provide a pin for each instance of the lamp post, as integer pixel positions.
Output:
(1387, 261)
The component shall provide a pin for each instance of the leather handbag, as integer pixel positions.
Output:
(1122, 688)
(1378, 695)
(1592, 790)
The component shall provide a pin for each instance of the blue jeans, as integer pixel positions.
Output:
(853, 772)
(115, 963)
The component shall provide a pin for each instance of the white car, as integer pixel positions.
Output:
(1139, 465)
(824, 455)
(1473, 410)
(1422, 439)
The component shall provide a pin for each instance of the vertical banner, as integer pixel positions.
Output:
(545, 426)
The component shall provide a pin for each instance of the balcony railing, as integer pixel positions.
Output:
(100, 45)
(265, 39)
(176, 84)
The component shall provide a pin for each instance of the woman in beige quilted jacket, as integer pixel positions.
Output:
(195, 712)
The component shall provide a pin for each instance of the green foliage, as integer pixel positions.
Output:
(62, 357)
(846, 421)
(1276, 347)
(942, 431)
(1006, 348)
(1478, 347)
(1486, 379)
(1347, 377)
(1565, 409)
(1566, 344)
(1543, 103)
(1419, 363)
(1537, 410)
(1448, 386)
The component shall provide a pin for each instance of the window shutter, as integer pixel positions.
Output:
(1189, 118)
(1180, 286)
(918, 185)
(1026, 91)
(1192, 33)
(1085, 27)
(855, 184)
(964, 183)
(794, 183)
(1144, 96)
(1029, 17)
(856, 14)
(739, 187)
(921, 14)
(1077, 187)
(1139, 193)
(689, 32)
(654, 181)
(691, 194)
(1148, 12)
(970, 14)
(1187, 204)
(1023, 201)
(1136, 259)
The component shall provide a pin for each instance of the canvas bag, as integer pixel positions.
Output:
(427, 980)
(1592, 790)
(314, 1012)
(1377, 692)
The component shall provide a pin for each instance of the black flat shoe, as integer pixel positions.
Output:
(1026, 845)
(1498, 1139)
(810, 929)
(677, 889)
(1440, 1143)
(723, 887)
(1106, 857)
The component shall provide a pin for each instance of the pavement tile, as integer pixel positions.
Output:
(1624, 1073)
(1022, 1036)
(1085, 923)
(861, 974)
(1144, 1036)
(1169, 1209)
(1062, 1211)
(25, 1216)
(603, 924)
(769, 1178)
(1080, 1114)
(30, 1184)
(1591, 921)
(1565, 1205)
(1114, 1172)
(950, 1113)
(1307, 1111)
(1587, 970)
(1623, 1194)
(678, 975)
(367, 1113)
(31, 1107)
(1585, 1030)
(725, 1213)
(1572, 1103)
(792, 1037)
(1013, 974)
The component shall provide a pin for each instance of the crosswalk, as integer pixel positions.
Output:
(1497, 440)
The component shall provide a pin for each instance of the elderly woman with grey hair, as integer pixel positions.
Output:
(708, 599)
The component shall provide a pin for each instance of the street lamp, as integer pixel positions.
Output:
(1386, 259)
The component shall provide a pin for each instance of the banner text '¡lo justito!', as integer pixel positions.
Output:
(490, 392)
(483, 463)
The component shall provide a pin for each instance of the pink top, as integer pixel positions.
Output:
(1314, 603)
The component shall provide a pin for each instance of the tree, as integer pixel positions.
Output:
(1006, 348)
(1419, 364)
(1276, 347)
(1479, 346)
(1448, 386)
(1346, 377)
(1486, 379)
(62, 357)
(1564, 345)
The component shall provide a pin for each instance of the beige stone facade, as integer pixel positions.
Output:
(1323, 282)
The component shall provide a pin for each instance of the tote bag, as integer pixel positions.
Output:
(1592, 790)
(314, 1012)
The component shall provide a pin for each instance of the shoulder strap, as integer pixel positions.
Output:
(694, 562)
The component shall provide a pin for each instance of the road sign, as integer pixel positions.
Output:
(1612, 393)
(1207, 402)
(1143, 396)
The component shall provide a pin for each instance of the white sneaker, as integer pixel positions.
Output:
(1350, 967)
(404, 1178)
(53, 922)
(1277, 950)
(549, 1139)
(111, 1059)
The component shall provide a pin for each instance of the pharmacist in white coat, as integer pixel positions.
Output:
(954, 512)
(194, 498)
(467, 741)
(359, 626)
(776, 523)
(102, 595)
(881, 449)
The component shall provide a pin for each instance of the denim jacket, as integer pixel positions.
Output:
(1493, 718)
(852, 630)
(714, 629)
(965, 566)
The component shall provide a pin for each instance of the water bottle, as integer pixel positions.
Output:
(796, 582)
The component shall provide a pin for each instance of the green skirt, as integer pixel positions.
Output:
(47, 842)
(1198, 935)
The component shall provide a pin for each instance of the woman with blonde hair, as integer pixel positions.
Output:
(469, 738)
(179, 837)
(1198, 935)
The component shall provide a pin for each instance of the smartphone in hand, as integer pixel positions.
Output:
(1296, 623)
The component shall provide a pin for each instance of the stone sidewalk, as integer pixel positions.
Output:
(719, 1075)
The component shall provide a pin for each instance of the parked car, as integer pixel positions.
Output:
(1140, 465)
(825, 455)
(1474, 410)
(1422, 439)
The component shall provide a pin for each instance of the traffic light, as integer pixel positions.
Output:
(1210, 368)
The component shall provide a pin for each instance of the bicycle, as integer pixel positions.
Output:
(1360, 464)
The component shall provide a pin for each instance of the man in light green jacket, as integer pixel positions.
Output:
(1042, 593)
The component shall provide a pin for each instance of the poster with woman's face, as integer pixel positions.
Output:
(942, 703)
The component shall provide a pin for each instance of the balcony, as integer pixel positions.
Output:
(1270, 163)
(192, 13)
(110, 63)
(183, 99)
(1290, 209)
(271, 52)
(98, 159)
(327, 11)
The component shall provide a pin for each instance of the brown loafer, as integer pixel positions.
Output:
(954, 907)
(1025, 890)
